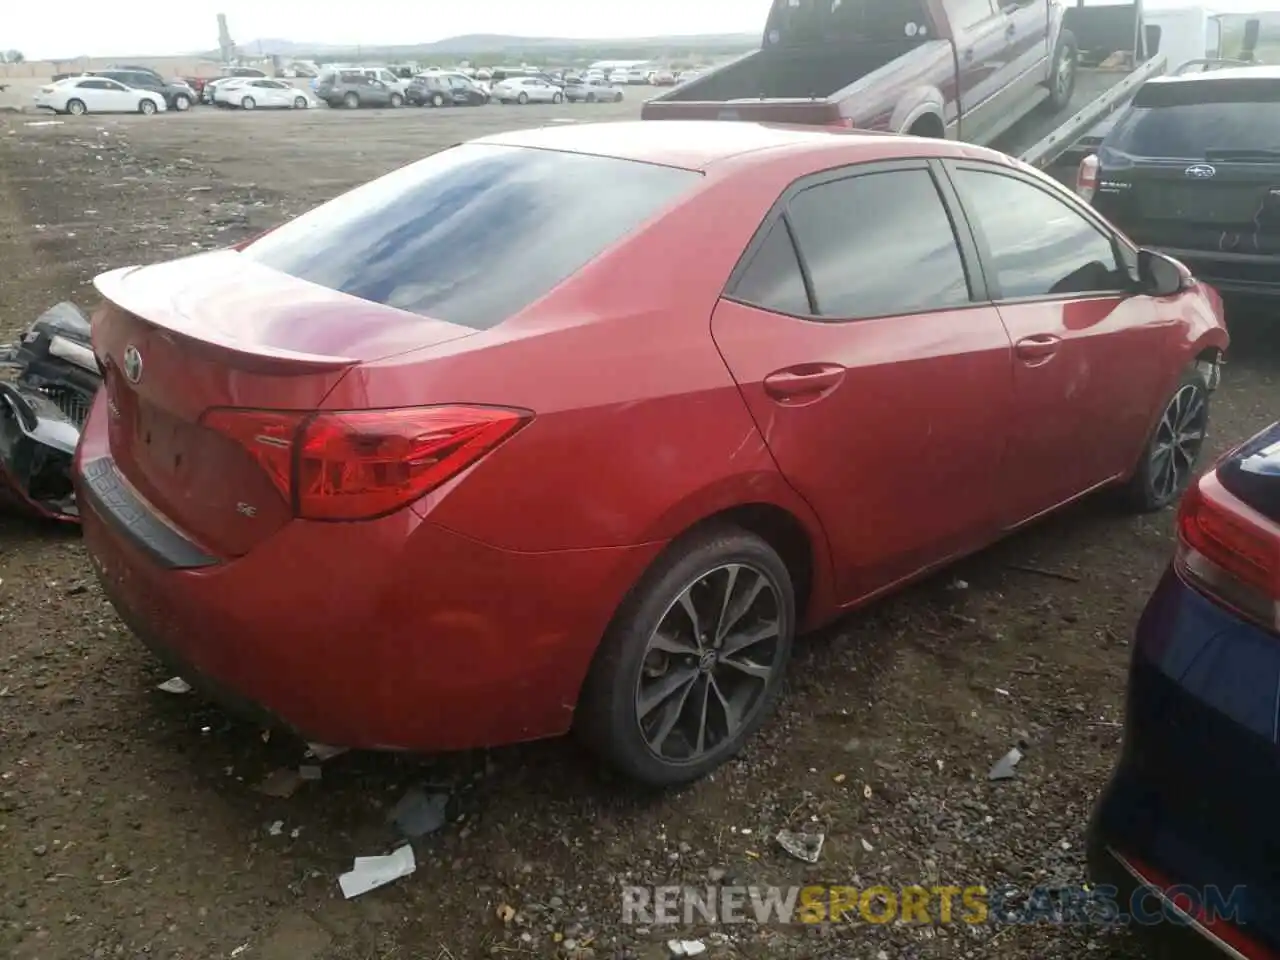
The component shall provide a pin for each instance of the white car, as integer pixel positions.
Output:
(80, 95)
(618, 78)
(526, 90)
(252, 94)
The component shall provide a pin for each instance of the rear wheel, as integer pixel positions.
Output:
(76, 108)
(1062, 79)
(182, 103)
(522, 99)
(146, 107)
(437, 100)
(617, 97)
(351, 101)
(300, 103)
(591, 98)
(693, 660)
(397, 100)
(1173, 450)
(557, 98)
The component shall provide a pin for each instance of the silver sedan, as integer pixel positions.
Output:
(592, 91)
(526, 90)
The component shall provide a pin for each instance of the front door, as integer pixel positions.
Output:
(982, 52)
(1089, 355)
(879, 381)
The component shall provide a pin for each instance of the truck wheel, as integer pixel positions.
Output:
(1062, 75)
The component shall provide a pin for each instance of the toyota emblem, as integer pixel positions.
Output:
(1200, 171)
(132, 364)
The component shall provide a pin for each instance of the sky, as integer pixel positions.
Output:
(160, 27)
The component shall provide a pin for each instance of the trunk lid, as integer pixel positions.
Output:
(217, 330)
(1252, 473)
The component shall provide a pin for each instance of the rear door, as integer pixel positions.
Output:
(877, 373)
(1090, 357)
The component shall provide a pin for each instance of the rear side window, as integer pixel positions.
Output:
(473, 234)
(772, 280)
(879, 244)
(1201, 119)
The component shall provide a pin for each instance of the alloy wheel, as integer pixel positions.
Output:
(1178, 441)
(709, 663)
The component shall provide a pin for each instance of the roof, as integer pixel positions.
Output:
(1259, 72)
(692, 144)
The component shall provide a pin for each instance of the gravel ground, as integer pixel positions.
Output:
(130, 825)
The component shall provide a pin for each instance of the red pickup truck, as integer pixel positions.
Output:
(964, 69)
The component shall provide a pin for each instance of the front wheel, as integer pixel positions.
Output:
(248, 103)
(618, 97)
(300, 103)
(522, 99)
(693, 660)
(591, 98)
(351, 101)
(1062, 78)
(557, 98)
(77, 108)
(1172, 452)
(146, 107)
(437, 100)
(182, 103)
(397, 100)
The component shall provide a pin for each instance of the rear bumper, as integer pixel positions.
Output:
(389, 634)
(1242, 274)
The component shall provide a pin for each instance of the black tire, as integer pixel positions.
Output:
(437, 100)
(557, 98)
(182, 103)
(522, 99)
(397, 101)
(1184, 414)
(607, 719)
(1062, 75)
(591, 98)
(248, 103)
(146, 107)
(351, 101)
(76, 108)
(617, 97)
(300, 103)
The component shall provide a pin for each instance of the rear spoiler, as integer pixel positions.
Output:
(154, 303)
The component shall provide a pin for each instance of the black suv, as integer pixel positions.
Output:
(445, 90)
(178, 95)
(1192, 168)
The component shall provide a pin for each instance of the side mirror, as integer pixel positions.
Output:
(1160, 276)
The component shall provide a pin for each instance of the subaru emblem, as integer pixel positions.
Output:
(1200, 171)
(132, 364)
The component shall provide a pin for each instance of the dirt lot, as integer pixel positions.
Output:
(129, 822)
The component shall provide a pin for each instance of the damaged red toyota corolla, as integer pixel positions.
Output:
(577, 427)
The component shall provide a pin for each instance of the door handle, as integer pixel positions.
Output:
(1037, 348)
(804, 382)
(1010, 30)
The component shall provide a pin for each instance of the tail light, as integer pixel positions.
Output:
(1229, 552)
(362, 464)
(1087, 178)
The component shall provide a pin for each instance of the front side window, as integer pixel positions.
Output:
(879, 244)
(1040, 246)
(473, 234)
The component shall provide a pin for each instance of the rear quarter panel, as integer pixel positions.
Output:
(639, 429)
(895, 95)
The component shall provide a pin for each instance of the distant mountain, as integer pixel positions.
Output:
(493, 43)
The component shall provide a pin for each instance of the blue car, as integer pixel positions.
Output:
(1187, 831)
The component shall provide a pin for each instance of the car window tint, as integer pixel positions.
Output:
(879, 244)
(1039, 246)
(772, 280)
(1195, 119)
(472, 234)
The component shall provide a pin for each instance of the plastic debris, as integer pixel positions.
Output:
(1003, 769)
(323, 752)
(276, 828)
(174, 685)
(803, 846)
(686, 948)
(419, 813)
(369, 873)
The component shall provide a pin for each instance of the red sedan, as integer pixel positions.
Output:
(577, 427)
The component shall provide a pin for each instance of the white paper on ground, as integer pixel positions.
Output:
(175, 685)
(369, 873)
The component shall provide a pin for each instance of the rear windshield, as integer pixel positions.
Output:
(473, 234)
(1199, 120)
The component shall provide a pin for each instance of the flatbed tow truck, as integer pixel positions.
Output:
(1027, 77)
